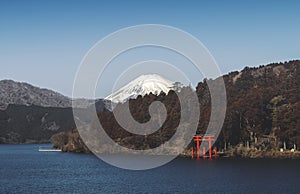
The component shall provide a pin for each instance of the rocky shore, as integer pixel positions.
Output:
(69, 141)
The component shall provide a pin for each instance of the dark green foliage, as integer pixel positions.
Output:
(32, 124)
(260, 101)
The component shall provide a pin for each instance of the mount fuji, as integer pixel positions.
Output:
(145, 84)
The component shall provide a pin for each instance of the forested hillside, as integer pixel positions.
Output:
(263, 107)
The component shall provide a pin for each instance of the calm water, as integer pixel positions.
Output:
(25, 170)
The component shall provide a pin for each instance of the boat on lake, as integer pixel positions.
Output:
(49, 150)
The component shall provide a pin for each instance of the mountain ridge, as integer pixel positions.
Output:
(22, 93)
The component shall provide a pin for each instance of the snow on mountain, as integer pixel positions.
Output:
(141, 86)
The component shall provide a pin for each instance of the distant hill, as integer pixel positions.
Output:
(20, 93)
(29, 114)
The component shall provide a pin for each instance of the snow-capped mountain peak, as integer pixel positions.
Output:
(141, 86)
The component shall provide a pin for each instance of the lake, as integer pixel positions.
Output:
(25, 170)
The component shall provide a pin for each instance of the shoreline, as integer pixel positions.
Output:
(250, 153)
(233, 153)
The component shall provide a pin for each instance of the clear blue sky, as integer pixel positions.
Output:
(43, 42)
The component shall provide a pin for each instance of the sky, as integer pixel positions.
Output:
(43, 42)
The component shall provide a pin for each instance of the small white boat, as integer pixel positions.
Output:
(49, 150)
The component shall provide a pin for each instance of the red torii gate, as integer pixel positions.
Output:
(198, 139)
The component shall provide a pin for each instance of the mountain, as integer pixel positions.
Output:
(145, 84)
(12, 92)
(21, 93)
(263, 111)
(30, 114)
